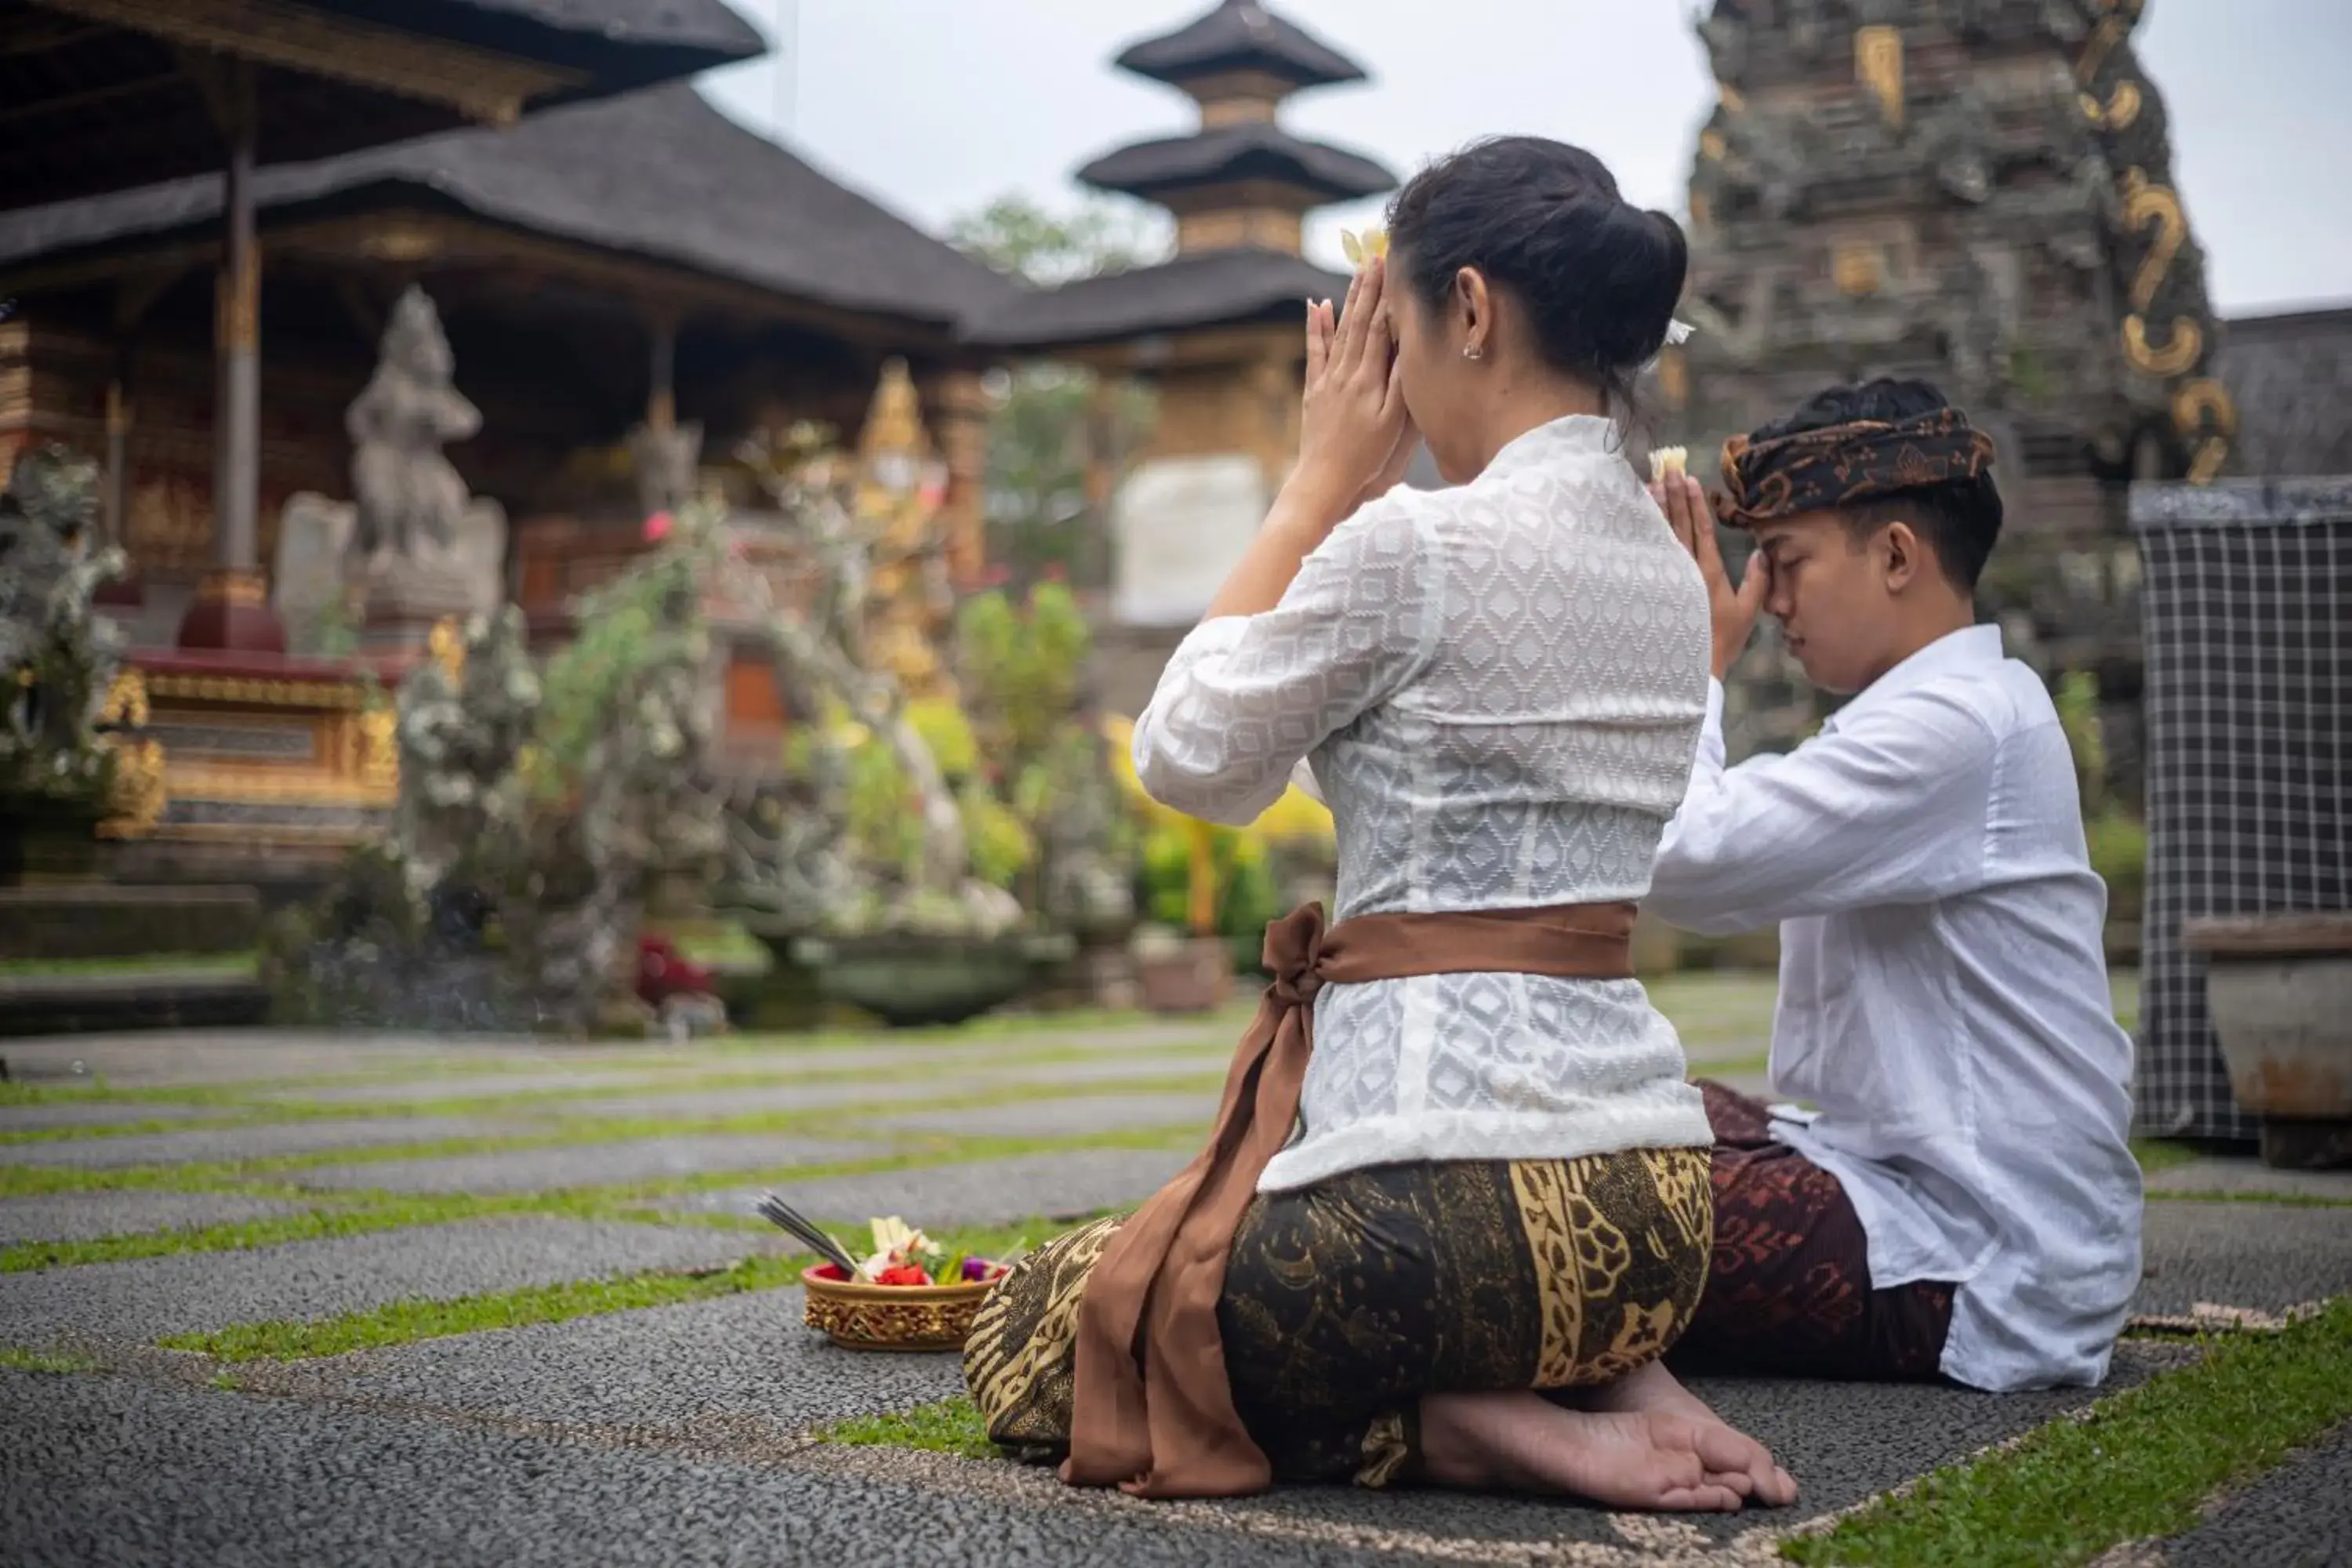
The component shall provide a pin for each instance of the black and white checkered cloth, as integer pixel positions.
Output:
(2247, 608)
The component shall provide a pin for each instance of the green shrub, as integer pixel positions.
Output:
(944, 728)
(1000, 846)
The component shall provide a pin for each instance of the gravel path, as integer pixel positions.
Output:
(988, 1192)
(591, 1164)
(201, 1476)
(2298, 1516)
(83, 1216)
(680, 1434)
(263, 1142)
(2266, 1256)
(142, 1301)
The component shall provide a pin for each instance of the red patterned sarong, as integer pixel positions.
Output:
(1788, 1289)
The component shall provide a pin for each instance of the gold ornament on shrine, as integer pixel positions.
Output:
(1878, 66)
(901, 489)
(446, 644)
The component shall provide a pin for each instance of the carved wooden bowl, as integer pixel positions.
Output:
(862, 1316)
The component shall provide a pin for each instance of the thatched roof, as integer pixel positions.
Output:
(1205, 288)
(106, 101)
(658, 174)
(1240, 36)
(2291, 376)
(1251, 150)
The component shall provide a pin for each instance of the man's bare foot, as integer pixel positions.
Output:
(1652, 1390)
(1634, 1459)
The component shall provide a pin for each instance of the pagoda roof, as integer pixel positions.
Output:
(1253, 149)
(100, 100)
(1203, 289)
(1239, 35)
(658, 174)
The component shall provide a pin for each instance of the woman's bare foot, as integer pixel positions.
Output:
(1652, 1390)
(1631, 1459)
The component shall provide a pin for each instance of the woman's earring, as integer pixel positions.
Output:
(1472, 350)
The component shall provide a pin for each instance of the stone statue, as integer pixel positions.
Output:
(411, 500)
(424, 545)
(669, 465)
(58, 656)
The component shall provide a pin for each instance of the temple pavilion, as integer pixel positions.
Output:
(99, 95)
(1217, 329)
(602, 261)
(635, 260)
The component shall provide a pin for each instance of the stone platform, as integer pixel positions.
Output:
(156, 1186)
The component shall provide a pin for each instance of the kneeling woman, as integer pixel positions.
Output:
(1434, 1248)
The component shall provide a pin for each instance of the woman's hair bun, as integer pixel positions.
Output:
(1599, 277)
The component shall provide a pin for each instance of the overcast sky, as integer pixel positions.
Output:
(934, 107)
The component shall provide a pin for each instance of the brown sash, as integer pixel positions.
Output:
(1153, 1411)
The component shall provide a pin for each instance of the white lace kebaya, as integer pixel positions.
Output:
(1500, 688)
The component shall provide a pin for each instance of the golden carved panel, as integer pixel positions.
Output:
(1878, 66)
(2176, 353)
(2146, 206)
(1858, 268)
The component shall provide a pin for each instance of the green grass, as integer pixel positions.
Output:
(1734, 1067)
(175, 963)
(2137, 1467)
(316, 1225)
(832, 1122)
(952, 1425)
(15, 1358)
(404, 1323)
(2156, 1154)
(253, 1103)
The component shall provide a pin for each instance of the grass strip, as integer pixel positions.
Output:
(15, 1358)
(2136, 1466)
(255, 1104)
(244, 1236)
(1737, 1066)
(364, 1212)
(2156, 1154)
(829, 1121)
(954, 1426)
(405, 1322)
(160, 963)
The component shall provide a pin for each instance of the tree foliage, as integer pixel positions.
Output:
(1053, 423)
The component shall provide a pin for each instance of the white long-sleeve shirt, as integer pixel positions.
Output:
(1944, 995)
(1500, 687)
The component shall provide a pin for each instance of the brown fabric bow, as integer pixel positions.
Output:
(1153, 1411)
(1837, 464)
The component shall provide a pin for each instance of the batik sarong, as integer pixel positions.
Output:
(1347, 1302)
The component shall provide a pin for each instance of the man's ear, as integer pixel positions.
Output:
(1903, 555)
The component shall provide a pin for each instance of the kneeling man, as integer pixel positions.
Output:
(1960, 1201)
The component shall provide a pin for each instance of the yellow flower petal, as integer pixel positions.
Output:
(1351, 247)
